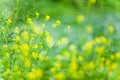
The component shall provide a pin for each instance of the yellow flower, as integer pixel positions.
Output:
(118, 55)
(105, 40)
(34, 55)
(37, 15)
(35, 46)
(25, 48)
(59, 76)
(111, 29)
(58, 22)
(113, 66)
(27, 63)
(108, 62)
(43, 26)
(98, 40)
(47, 17)
(49, 40)
(80, 58)
(54, 25)
(92, 1)
(9, 21)
(31, 76)
(6, 73)
(68, 27)
(89, 29)
(73, 66)
(58, 65)
(99, 50)
(38, 73)
(112, 57)
(72, 47)
(88, 46)
(62, 41)
(102, 59)
(29, 20)
(25, 35)
(80, 18)
(91, 65)
(17, 38)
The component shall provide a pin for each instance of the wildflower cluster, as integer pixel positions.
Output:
(30, 52)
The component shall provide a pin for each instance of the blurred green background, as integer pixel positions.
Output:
(18, 10)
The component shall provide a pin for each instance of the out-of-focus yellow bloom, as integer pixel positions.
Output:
(98, 40)
(89, 29)
(35, 46)
(17, 38)
(54, 25)
(88, 46)
(73, 66)
(58, 65)
(49, 40)
(75, 75)
(36, 29)
(112, 57)
(80, 58)
(91, 65)
(31, 76)
(59, 76)
(72, 47)
(34, 55)
(80, 18)
(25, 35)
(102, 59)
(27, 63)
(38, 73)
(62, 41)
(105, 40)
(68, 27)
(25, 48)
(108, 62)
(37, 15)
(47, 17)
(29, 20)
(99, 50)
(9, 21)
(118, 55)
(92, 1)
(113, 66)
(58, 22)
(6, 73)
(43, 26)
(111, 29)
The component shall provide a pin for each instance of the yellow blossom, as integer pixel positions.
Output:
(37, 15)
(25, 48)
(111, 29)
(17, 38)
(89, 29)
(99, 50)
(118, 55)
(80, 18)
(27, 63)
(9, 21)
(47, 17)
(59, 76)
(29, 20)
(92, 1)
(68, 27)
(80, 58)
(58, 22)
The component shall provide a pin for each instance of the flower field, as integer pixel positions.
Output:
(75, 46)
